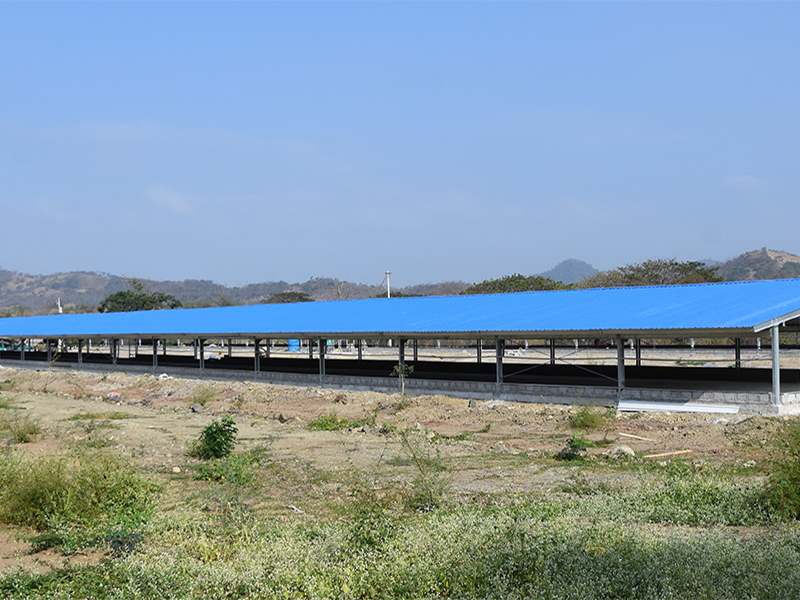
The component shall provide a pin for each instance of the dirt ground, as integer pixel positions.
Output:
(488, 447)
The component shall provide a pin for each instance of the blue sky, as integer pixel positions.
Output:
(247, 142)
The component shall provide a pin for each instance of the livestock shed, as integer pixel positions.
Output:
(670, 344)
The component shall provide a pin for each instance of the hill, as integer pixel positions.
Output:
(760, 264)
(569, 271)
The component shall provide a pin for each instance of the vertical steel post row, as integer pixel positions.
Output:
(620, 363)
(322, 362)
(737, 345)
(776, 366)
(552, 351)
(257, 355)
(499, 352)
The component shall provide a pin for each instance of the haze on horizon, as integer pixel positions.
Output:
(246, 142)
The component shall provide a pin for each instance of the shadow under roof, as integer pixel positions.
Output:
(714, 309)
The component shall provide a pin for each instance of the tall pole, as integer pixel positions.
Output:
(620, 364)
(776, 366)
(388, 285)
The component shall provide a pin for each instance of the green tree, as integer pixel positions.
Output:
(660, 271)
(289, 298)
(137, 299)
(514, 283)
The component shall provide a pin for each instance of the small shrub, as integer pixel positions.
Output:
(575, 448)
(217, 440)
(589, 417)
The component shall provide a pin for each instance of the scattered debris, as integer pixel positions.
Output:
(622, 452)
(663, 454)
(635, 437)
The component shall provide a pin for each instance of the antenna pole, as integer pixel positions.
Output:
(388, 285)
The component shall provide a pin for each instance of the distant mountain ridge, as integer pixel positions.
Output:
(83, 291)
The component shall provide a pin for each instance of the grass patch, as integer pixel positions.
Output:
(333, 422)
(20, 429)
(203, 394)
(79, 499)
(782, 490)
(464, 435)
(98, 416)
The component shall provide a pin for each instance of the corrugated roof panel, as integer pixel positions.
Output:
(733, 305)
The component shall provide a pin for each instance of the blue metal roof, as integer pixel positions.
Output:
(718, 308)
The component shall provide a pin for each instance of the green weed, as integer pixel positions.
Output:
(589, 417)
(333, 422)
(20, 429)
(217, 440)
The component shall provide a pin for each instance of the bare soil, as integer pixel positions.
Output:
(490, 448)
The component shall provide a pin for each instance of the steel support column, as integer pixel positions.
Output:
(620, 363)
(638, 352)
(479, 347)
(552, 351)
(201, 347)
(360, 351)
(49, 351)
(310, 349)
(416, 350)
(113, 351)
(499, 352)
(257, 355)
(401, 351)
(267, 345)
(80, 352)
(737, 346)
(321, 362)
(22, 350)
(776, 366)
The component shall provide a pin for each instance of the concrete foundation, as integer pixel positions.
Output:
(748, 401)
